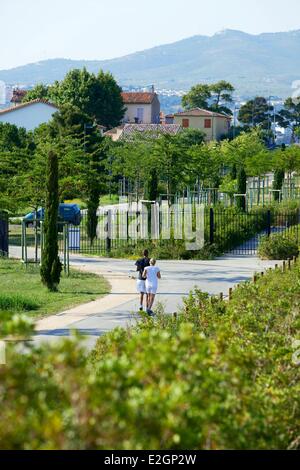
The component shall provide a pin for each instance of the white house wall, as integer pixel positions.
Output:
(132, 113)
(30, 116)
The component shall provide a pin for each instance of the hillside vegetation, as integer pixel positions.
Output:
(253, 64)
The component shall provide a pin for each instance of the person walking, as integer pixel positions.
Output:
(152, 275)
(141, 264)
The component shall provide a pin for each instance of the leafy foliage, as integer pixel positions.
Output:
(219, 376)
(278, 183)
(210, 97)
(256, 112)
(289, 116)
(278, 247)
(98, 96)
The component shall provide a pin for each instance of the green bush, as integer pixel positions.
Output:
(15, 325)
(219, 376)
(278, 247)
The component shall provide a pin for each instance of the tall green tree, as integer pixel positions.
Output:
(221, 93)
(213, 97)
(151, 187)
(204, 163)
(256, 112)
(289, 116)
(247, 150)
(134, 161)
(51, 266)
(197, 97)
(278, 183)
(173, 162)
(98, 96)
(88, 155)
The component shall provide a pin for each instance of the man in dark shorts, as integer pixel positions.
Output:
(141, 264)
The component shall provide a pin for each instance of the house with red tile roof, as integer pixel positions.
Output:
(18, 96)
(150, 131)
(141, 108)
(214, 125)
(29, 115)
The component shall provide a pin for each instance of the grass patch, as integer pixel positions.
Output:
(21, 290)
(17, 302)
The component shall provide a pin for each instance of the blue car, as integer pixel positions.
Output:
(66, 213)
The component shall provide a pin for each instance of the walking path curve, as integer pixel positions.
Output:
(120, 306)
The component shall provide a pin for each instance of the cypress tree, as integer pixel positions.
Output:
(241, 189)
(233, 172)
(92, 207)
(152, 186)
(278, 183)
(51, 265)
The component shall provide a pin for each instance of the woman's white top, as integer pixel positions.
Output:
(152, 272)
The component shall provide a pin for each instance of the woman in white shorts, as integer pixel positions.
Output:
(152, 274)
(141, 264)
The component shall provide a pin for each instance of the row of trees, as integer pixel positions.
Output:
(170, 164)
(89, 164)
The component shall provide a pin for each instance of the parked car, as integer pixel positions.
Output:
(66, 213)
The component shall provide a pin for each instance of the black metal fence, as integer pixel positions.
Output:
(228, 229)
(3, 234)
(240, 232)
(120, 231)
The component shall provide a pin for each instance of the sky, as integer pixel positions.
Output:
(34, 30)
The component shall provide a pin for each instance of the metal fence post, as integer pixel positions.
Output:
(269, 223)
(211, 226)
(68, 248)
(64, 248)
(109, 231)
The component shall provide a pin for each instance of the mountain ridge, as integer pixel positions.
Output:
(255, 64)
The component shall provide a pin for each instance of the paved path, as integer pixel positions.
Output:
(119, 308)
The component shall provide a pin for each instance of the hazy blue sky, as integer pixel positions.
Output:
(32, 30)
